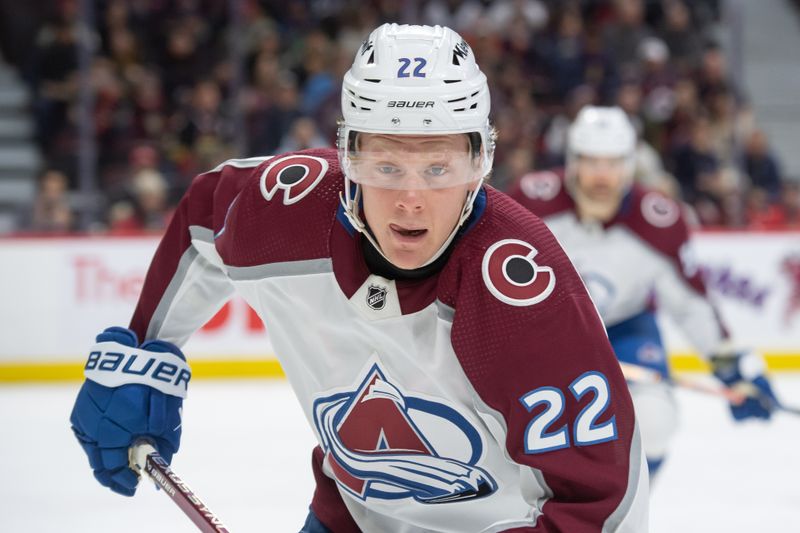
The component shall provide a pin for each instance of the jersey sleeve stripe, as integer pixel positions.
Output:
(160, 313)
(288, 268)
(637, 486)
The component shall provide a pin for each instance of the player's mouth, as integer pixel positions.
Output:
(407, 233)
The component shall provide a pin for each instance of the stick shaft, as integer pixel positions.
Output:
(148, 460)
(641, 374)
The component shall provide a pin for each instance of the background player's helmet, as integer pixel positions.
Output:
(414, 80)
(602, 132)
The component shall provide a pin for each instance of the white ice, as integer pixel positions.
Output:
(246, 453)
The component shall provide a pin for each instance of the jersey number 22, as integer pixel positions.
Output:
(540, 437)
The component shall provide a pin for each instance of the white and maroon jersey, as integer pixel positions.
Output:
(638, 261)
(484, 397)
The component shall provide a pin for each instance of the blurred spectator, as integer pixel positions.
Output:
(790, 203)
(625, 35)
(519, 162)
(52, 211)
(657, 81)
(148, 106)
(685, 43)
(760, 212)
(564, 51)
(729, 124)
(203, 129)
(503, 13)
(203, 115)
(317, 80)
(701, 179)
(462, 16)
(677, 129)
(56, 63)
(166, 88)
(146, 209)
(761, 166)
(270, 124)
(763, 213)
(713, 74)
(183, 64)
(555, 136)
(302, 135)
(629, 97)
(260, 33)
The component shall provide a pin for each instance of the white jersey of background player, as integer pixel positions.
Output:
(444, 350)
(631, 247)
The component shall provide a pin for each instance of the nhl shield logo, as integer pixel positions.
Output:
(376, 297)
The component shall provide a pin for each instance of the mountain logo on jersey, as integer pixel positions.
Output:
(600, 288)
(296, 175)
(376, 297)
(383, 443)
(513, 277)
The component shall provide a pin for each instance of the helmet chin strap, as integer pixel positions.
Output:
(351, 208)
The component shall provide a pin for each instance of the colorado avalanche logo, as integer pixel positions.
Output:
(381, 443)
(513, 277)
(540, 185)
(297, 175)
(660, 211)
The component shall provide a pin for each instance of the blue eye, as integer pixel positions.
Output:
(387, 169)
(435, 171)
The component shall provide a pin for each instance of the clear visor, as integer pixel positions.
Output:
(408, 162)
(603, 163)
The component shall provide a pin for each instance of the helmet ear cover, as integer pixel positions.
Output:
(474, 143)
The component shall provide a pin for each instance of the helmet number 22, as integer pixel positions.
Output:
(539, 437)
(405, 63)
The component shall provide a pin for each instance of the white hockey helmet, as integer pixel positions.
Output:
(602, 132)
(420, 80)
(414, 80)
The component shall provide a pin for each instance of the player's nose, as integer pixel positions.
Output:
(410, 200)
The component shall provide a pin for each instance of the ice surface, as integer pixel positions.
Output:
(246, 452)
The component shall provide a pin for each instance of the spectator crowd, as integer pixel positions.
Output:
(179, 86)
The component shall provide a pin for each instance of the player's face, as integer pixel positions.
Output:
(601, 179)
(412, 221)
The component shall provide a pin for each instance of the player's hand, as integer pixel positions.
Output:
(743, 372)
(129, 393)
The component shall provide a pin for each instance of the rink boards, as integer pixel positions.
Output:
(60, 292)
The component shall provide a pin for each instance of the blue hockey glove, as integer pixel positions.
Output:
(129, 393)
(744, 372)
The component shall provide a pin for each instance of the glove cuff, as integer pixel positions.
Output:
(726, 368)
(112, 364)
(743, 366)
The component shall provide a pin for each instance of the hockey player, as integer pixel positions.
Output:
(446, 354)
(631, 247)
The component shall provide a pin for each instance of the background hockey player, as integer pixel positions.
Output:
(444, 350)
(631, 247)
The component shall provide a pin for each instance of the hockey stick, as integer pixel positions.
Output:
(735, 395)
(146, 459)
